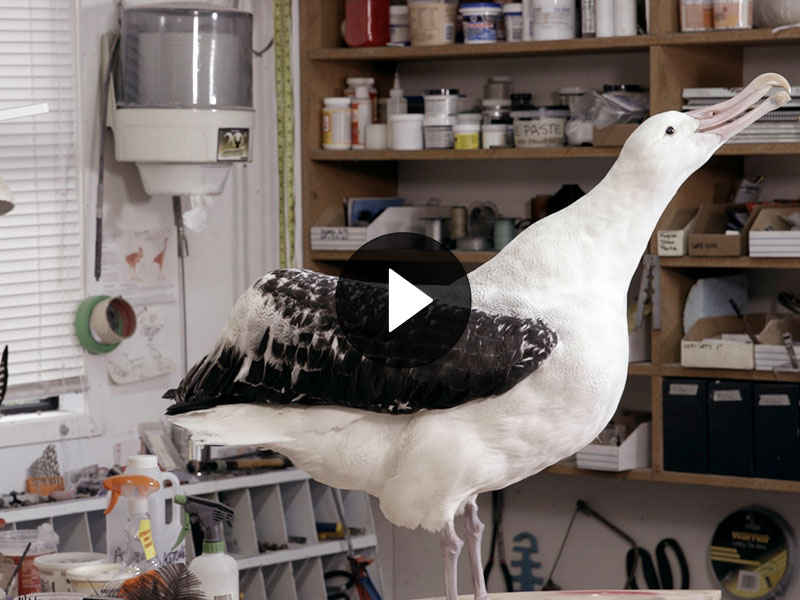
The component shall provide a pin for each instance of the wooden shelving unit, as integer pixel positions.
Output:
(676, 60)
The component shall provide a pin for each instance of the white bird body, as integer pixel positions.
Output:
(571, 271)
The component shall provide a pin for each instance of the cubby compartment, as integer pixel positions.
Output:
(308, 579)
(298, 513)
(251, 584)
(97, 530)
(270, 526)
(279, 582)
(73, 531)
(243, 540)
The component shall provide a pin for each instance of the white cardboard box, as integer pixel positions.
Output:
(779, 241)
(633, 453)
(330, 233)
(772, 352)
(703, 347)
(673, 239)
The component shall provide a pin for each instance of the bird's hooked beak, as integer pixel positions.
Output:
(730, 117)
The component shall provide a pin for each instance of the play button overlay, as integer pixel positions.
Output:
(403, 300)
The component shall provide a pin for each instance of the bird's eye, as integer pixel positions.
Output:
(670, 130)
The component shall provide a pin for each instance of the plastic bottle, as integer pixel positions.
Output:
(218, 572)
(336, 124)
(140, 554)
(361, 110)
(366, 22)
(164, 515)
(395, 105)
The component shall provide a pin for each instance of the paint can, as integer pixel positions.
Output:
(479, 20)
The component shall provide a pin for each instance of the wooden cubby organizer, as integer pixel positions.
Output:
(269, 508)
(675, 60)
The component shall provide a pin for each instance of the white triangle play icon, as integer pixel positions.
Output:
(405, 300)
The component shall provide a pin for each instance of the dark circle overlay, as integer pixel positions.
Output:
(362, 300)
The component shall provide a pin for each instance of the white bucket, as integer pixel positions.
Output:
(53, 567)
(43, 540)
(91, 579)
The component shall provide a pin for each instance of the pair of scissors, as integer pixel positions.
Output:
(660, 579)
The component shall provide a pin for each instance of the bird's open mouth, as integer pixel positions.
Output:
(765, 93)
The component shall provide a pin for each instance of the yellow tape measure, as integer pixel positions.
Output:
(285, 109)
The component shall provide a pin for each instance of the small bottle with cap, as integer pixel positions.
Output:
(396, 104)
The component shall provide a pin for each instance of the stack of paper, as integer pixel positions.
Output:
(779, 126)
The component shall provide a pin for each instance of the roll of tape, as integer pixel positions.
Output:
(102, 322)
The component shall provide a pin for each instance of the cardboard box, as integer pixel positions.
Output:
(770, 235)
(708, 237)
(703, 345)
(771, 352)
(633, 453)
(673, 239)
(613, 135)
(330, 233)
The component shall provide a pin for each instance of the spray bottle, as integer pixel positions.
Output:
(140, 551)
(218, 572)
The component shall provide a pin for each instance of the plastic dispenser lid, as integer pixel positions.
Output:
(143, 461)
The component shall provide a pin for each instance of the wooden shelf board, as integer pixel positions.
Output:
(643, 368)
(675, 370)
(490, 154)
(501, 49)
(747, 37)
(728, 262)
(750, 483)
(466, 257)
(527, 153)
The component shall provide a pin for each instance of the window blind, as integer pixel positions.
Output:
(40, 240)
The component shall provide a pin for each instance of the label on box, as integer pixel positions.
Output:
(683, 389)
(668, 241)
(774, 400)
(727, 396)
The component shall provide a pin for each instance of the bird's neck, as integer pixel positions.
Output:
(598, 240)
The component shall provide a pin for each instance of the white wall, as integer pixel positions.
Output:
(237, 247)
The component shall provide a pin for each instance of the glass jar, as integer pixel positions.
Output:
(496, 110)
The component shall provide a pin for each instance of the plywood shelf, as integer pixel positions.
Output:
(639, 43)
(526, 153)
(749, 483)
(466, 257)
(728, 262)
(490, 154)
(676, 370)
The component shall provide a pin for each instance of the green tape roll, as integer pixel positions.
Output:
(84, 331)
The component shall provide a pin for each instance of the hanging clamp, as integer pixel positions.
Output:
(649, 289)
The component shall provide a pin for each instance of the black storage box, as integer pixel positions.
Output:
(730, 428)
(776, 434)
(685, 411)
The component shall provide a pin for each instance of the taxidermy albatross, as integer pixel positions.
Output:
(536, 376)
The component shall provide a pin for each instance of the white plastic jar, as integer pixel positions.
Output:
(479, 20)
(336, 123)
(553, 19)
(542, 127)
(495, 136)
(441, 102)
(512, 15)
(407, 131)
(398, 26)
(432, 22)
(91, 579)
(438, 132)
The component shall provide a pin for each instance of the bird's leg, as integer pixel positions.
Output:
(451, 548)
(475, 529)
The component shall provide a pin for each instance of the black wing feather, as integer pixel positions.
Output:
(319, 366)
